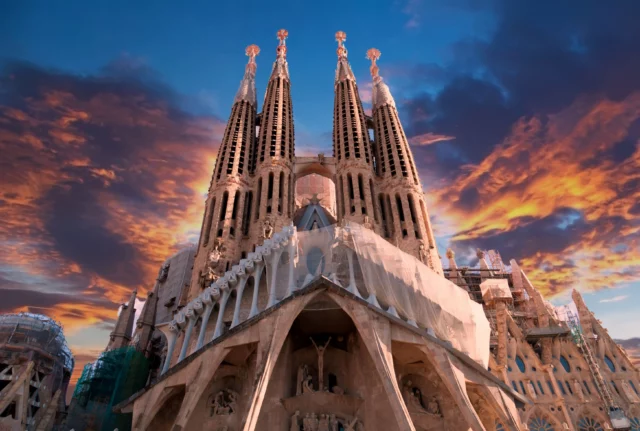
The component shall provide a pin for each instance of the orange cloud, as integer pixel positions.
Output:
(429, 138)
(549, 164)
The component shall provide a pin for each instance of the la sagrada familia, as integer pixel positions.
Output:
(328, 315)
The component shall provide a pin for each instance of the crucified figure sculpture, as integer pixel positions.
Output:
(320, 351)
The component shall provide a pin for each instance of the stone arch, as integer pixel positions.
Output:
(588, 417)
(537, 418)
(222, 400)
(304, 169)
(166, 409)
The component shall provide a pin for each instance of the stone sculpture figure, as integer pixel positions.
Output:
(224, 402)
(320, 350)
(424, 257)
(303, 372)
(367, 222)
(307, 386)
(323, 423)
(333, 423)
(268, 230)
(310, 422)
(433, 407)
(295, 423)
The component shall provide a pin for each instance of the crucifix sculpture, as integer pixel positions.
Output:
(320, 351)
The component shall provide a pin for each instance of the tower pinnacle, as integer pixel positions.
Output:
(344, 70)
(380, 94)
(280, 67)
(282, 47)
(247, 90)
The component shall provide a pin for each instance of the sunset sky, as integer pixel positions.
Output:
(524, 119)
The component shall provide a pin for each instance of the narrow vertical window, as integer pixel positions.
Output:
(390, 219)
(341, 197)
(248, 198)
(234, 213)
(373, 200)
(280, 192)
(363, 201)
(258, 198)
(383, 214)
(269, 192)
(209, 221)
(223, 211)
(403, 225)
(414, 219)
(352, 208)
(291, 197)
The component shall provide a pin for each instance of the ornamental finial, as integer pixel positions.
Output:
(341, 36)
(373, 54)
(282, 46)
(252, 51)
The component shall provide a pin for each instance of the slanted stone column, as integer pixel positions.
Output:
(171, 332)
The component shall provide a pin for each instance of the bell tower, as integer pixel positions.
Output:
(352, 147)
(405, 220)
(274, 155)
(229, 198)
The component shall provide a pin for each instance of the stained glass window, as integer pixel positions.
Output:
(540, 424)
(635, 424)
(589, 424)
(609, 362)
(565, 364)
(520, 364)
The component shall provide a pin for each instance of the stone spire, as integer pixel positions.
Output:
(405, 219)
(343, 71)
(380, 93)
(280, 66)
(146, 322)
(273, 160)
(355, 188)
(247, 90)
(121, 334)
(225, 208)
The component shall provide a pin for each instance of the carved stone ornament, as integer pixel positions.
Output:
(224, 403)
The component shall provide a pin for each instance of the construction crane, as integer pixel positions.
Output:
(618, 419)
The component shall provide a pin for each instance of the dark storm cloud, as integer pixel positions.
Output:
(541, 57)
(102, 179)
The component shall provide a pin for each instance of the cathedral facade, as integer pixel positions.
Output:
(309, 315)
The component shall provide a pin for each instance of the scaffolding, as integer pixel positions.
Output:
(616, 415)
(112, 378)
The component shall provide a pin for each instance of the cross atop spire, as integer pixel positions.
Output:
(380, 94)
(341, 36)
(373, 54)
(252, 51)
(344, 70)
(282, 46)
(280, 68)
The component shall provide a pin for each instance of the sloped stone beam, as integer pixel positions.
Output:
(274, 330)
(376, 335)
(454, 381)
(239, 293)
(256, 284)
(198, 385)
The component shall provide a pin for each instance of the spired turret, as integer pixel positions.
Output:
(229, 200)
(273, 158)
(404, 217)
(352, 147)
(121, 334)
